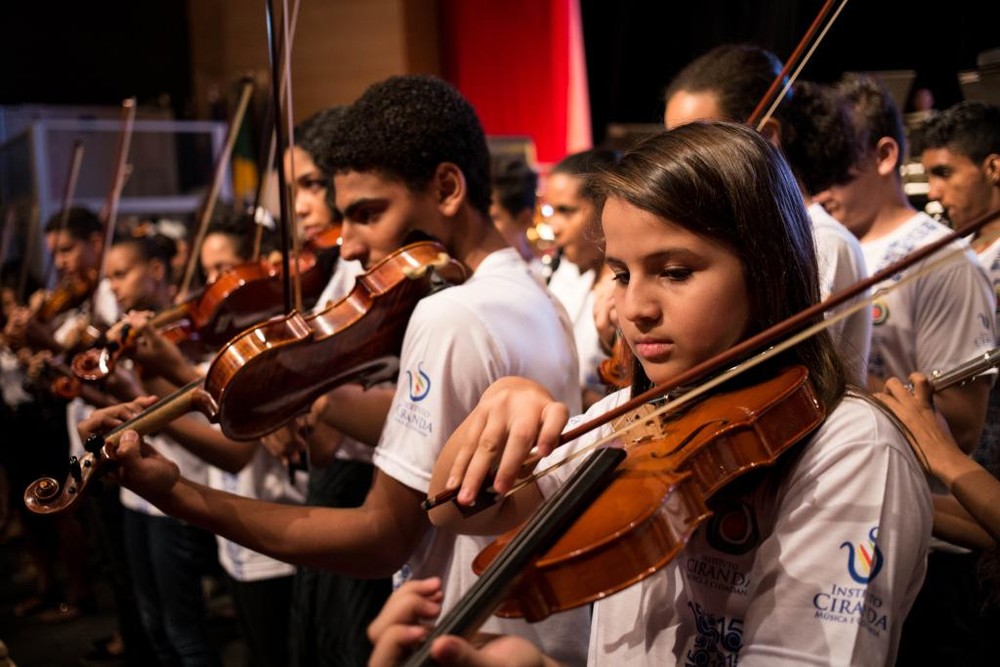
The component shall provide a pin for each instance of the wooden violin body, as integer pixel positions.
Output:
(659, 494)
(271, 373)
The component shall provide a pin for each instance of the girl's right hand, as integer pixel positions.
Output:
(513, 416)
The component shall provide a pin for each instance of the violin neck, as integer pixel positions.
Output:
(162, 412)
(962, 373)
(539, 533)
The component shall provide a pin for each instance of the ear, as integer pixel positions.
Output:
(991, 167)
(772, 132)
(96, 242)
(526, 218)
(887, 156)
(157, 269)
(449, 188)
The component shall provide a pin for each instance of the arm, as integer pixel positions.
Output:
(373, 540)
(354, 411)
(964, 408)
(972, 485)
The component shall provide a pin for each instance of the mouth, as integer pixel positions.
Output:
(653, 350)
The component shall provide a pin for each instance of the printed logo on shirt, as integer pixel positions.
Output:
(864, 560)
(733, 529)
(719, 639)
(856, 604)
(880, 312)
(420, 384)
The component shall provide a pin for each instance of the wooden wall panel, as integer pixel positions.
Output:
(340, 47)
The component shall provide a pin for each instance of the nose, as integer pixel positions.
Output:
(933, 188)
(352, 246)
(634, 302)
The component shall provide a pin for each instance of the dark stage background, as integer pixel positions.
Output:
(110, 50)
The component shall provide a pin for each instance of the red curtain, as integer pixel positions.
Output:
(521, 64)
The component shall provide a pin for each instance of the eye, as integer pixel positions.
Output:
(676, 273)
(314, 184)
(620, 277)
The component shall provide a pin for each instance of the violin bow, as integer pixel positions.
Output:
(287, 214)
(221, 164)
(76, 159)
(798, 59)
(109, 214)
(269, 140)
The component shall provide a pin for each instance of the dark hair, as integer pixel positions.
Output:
(971, 129)
(515, 185)
(238, 226)
(818, 137)
(726, 182)
(80, 223)
(315, 133)
(875, 114)
(151, 247)
(739, 75)
(405, 127)
(586, 165)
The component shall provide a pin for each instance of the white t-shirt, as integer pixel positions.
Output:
(842, 265)
(817, 563)
(460, 340)
(264, 478)
(936, 321)
(575, 291)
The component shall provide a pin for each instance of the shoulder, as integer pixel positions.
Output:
(859, 428)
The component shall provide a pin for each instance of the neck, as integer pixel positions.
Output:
(475, 237)
(893, 211)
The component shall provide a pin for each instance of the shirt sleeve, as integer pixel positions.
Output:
(448, 360)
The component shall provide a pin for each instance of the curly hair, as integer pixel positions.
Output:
(404, 127)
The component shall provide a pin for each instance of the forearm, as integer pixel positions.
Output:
(964, 408)
(356, 412)
(367, 542)
(210, 445)
(978, 491)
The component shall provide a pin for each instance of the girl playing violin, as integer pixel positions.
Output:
(815, 560)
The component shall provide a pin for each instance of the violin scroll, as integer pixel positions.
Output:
(47, 496)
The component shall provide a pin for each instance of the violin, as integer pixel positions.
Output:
(261, 379)
(243, 296)
(71, 291)
(289, 362)
(631, 507)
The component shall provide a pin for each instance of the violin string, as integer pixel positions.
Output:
(753, 361)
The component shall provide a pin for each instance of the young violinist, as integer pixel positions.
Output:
(165, 558)
(52, 323)
(411, 161)
(814, 560)
(577, 279)
(330, 610)
(727, 83)
(962, 159)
